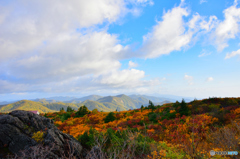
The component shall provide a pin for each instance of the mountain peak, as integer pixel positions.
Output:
(121, 95)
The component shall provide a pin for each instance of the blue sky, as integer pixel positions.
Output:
(105, 47)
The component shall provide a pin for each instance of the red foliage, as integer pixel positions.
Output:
(73, 114)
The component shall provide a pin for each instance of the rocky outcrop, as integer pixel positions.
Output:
(16, 133)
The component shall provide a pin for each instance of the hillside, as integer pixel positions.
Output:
(25, 105)
(58, 105)
(119, 103)
(96, 105)
(90, 97)
(44, 101)
(131, 103)
(145, 98)
(109, 103)
(161, 103)
(175, 130)
(42, 106)
(82, 99)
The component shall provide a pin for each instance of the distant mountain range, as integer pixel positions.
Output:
(25, 105)
(106, 104)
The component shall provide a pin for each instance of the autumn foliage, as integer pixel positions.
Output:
(175, 130)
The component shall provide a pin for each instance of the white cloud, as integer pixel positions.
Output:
(209, 79)
(124, 78)
(70, 56)
(229, 28)
(232, 54)
(202, 1)
(204, 53)
(168, 35)
(193, 22)
(173, 33)
(57, 45)
(189, 79)
(209, 25)
(25, 25)
(132, 64)
(142, 2)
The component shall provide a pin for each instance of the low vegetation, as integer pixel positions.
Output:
(175, 130)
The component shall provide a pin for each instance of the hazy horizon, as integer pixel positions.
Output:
(151, 47)
(177, 97)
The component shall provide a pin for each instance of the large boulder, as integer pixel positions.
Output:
(17, 131)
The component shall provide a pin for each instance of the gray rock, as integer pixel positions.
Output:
(95, 153)
(18, 127)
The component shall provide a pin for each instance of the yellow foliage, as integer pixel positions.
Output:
(215, 119)
(38, 136)
(58, 122)
(69, 122)
(237, 111)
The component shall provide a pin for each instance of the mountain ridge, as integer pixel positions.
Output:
(119, 102)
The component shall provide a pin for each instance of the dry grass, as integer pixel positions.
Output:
(226, 138)
(43, 152)
(126, 151)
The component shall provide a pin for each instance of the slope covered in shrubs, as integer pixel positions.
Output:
(175, 130)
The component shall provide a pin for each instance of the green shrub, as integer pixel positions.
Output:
(152, 116)
(65, 116)
(184, 110)
(69, 109)
(110, 117)
(87, 139)
(83, 110)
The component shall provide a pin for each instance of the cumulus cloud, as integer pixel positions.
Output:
(124, 78)
(58, 46)
(189, 79)
(229, 28)
(132, 64)
(209, 79)
(27, 24)
(173, 33)
(232, 54)
(210, 24)
(70, 56)
(168, 35)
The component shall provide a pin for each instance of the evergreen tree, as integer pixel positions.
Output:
(151, 105)
(109, 117)
(69, 109)
(82, 111)
(184, 110)
(176, 104)
(142, 108)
